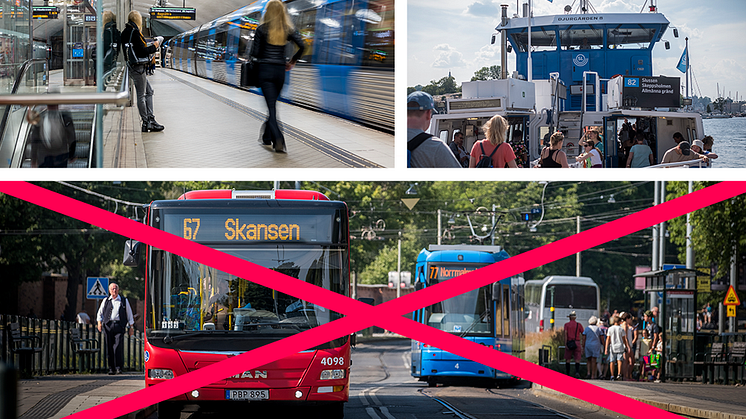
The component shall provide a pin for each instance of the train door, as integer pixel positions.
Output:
(188, 54)
(232, 43)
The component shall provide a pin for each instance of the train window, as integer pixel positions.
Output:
(499, 301)
(305, 23)
(378, 20)
(506, 310)
(339, 35)
(220, 46)
(249, 23)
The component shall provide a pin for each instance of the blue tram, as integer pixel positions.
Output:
(490, 315)
(347, 69)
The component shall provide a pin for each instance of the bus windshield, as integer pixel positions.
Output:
(189, 299)
(572, 296)
(465, 314)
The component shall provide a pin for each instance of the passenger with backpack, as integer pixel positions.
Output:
(52, 138)
(137, 53)
(493, 151)
(423, 149)
(112, 39)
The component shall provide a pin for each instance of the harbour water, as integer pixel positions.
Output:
(730, 141)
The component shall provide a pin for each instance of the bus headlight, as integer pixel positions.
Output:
(161, 374)
(332, 374)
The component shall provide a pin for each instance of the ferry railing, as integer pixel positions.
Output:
(689, 163)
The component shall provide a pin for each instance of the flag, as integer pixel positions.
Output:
(683, 62)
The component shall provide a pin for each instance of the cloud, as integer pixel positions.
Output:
(482, 9)
(448, 57)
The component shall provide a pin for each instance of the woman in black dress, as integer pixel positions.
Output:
(268, 48)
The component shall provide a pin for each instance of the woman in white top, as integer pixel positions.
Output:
(590, 155)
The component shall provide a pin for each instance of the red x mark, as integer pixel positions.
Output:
(359, 315)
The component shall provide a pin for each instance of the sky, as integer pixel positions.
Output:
(454, 36)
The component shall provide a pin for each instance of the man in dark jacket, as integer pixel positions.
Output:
(132, 39)
(114, 314)
(52, 137)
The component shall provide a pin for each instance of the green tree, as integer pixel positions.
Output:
(487, 73)
(709, 109)
(719, 104)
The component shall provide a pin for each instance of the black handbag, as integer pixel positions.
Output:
(571, 345)
(250, 73)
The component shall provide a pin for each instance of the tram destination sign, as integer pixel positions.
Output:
(243, 228)
(173, 13)
(46, 12)
(651, 92)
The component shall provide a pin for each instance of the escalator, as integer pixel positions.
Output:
(84, 119)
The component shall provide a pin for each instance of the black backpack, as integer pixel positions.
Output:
(485, 160)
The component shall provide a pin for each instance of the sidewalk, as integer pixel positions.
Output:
(693, 400)
(59, 396)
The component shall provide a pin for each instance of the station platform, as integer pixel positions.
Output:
(692, 400)
(62, 395)
(213, 125)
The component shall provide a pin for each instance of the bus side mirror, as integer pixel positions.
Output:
(131, 253)
(493, 40)
(496, 290)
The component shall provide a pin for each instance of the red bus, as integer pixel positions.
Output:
(196, 315)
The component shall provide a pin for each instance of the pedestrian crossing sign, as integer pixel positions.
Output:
(731, 298)
(97, 288)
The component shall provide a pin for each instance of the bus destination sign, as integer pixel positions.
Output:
(173, 13)
(46, 12)
(443, 272)
(247, 228)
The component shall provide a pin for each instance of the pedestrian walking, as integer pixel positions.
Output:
(616, 346)
(270, 39)
(114, 314)
(631, 334)
(573, 344)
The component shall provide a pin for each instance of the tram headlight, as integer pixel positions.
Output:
(332, 374)
(161, 374)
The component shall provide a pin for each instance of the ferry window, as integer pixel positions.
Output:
(378, 45)
(589, 38)
(541, 40)
(629, 38)
(248, 24)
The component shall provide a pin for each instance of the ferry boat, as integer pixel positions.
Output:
(574, 72)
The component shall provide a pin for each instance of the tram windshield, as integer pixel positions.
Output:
(194, 303)
(466, 314)
(572, 296)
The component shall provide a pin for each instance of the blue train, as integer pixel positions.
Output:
(347, 69)
(490, 315)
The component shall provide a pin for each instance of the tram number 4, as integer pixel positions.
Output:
(332, 360)
(191, 227)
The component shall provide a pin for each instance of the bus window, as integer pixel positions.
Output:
(572, 296)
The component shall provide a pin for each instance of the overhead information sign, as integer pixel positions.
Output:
(46, 12)
(651, 92)
(173, 13)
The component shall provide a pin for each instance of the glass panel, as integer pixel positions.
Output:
(465, 314)
(188, 297)
(588, 38)
(572, 296)
(541, 40)
(629, 37)
(378, 50)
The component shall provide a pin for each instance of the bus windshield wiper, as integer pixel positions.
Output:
(474, 323)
